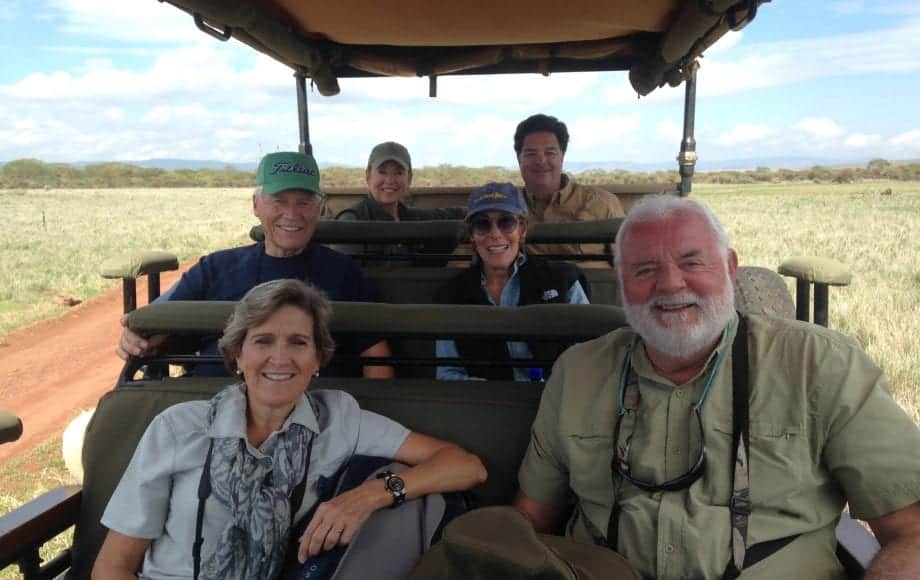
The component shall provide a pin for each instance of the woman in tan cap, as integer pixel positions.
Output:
(389, 176)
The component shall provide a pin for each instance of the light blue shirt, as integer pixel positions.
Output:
(510, 297)
(157, 497)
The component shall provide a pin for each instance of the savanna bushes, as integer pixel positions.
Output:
(35, 174)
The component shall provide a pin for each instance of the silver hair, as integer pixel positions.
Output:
(262, 301)
(656, 208)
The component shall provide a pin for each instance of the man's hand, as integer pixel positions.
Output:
(544, 517)
(899, 535)
(379, 349)
(132, 344)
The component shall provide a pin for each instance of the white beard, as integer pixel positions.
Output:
(676, 337)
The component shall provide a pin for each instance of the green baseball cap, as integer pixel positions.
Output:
(285, 170)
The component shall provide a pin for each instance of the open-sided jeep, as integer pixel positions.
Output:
(657, 42)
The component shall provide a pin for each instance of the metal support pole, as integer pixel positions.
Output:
(821, 301)
(153, 286)
(302, 114)
(686, 159)
(129, 294)
(802, 299)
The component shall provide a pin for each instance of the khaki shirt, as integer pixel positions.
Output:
(573, 203)
(824, 430)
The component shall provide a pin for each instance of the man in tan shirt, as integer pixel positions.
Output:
(540, 142)
(647, 442)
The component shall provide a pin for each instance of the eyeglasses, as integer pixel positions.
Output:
(620, 463)
(629, 387)
(483, 225)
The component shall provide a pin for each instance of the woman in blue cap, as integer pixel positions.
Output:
(503, 274)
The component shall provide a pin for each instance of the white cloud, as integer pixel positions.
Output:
(745, 133)
(195, 71)
(134, 21)
(793, 61)
(819, 127)
(528, 91)
(862, 140)
(909, 139)
(669, 131)
(749, 67)
(590, 131)
(728, 41)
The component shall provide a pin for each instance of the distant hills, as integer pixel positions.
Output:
(572, 166)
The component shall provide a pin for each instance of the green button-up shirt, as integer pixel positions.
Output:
(824, 431)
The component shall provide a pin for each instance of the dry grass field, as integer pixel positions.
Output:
(55, 241)
(873, 234)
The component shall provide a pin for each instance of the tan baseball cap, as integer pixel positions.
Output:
(389, 151)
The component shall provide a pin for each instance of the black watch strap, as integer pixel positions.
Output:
(394, 485)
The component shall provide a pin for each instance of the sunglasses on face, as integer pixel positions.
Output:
(483, 225)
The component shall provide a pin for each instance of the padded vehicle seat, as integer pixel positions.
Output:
(491, 419)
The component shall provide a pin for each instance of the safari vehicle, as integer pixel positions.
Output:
(657, 42)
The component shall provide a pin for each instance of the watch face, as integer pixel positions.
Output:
(396, 484)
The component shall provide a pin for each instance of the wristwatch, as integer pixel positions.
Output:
(395, 486)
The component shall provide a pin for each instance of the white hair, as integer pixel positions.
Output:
(658, 208)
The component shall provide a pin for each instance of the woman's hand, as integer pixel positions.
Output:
(438, 466)
(337, 521)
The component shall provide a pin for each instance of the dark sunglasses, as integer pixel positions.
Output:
(620, 462)
(483, 224)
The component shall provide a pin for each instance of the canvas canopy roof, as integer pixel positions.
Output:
(653, 39)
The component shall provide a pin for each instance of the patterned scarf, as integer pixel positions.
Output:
(257, 491)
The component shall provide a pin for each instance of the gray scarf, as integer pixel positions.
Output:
(258, 494)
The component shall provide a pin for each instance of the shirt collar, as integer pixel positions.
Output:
(230, 418)
(558, 198)
(521, 259)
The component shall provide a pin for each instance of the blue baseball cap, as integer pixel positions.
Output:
(496, 197)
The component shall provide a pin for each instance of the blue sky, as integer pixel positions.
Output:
(95, 80)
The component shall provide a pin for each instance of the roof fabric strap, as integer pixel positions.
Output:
(740, 503)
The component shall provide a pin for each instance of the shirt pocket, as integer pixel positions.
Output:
(779, 460)
(589, 468)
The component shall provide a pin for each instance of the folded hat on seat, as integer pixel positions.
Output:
(499, 542)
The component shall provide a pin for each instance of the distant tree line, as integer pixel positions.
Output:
(32, 173)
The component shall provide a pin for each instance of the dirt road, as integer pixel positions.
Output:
(52, 370)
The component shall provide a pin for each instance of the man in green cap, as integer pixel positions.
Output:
(700, 443)
(287, 200)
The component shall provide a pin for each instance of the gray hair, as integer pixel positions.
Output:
(656, 208)
(262, 301)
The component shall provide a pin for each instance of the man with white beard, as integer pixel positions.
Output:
(643, 436)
